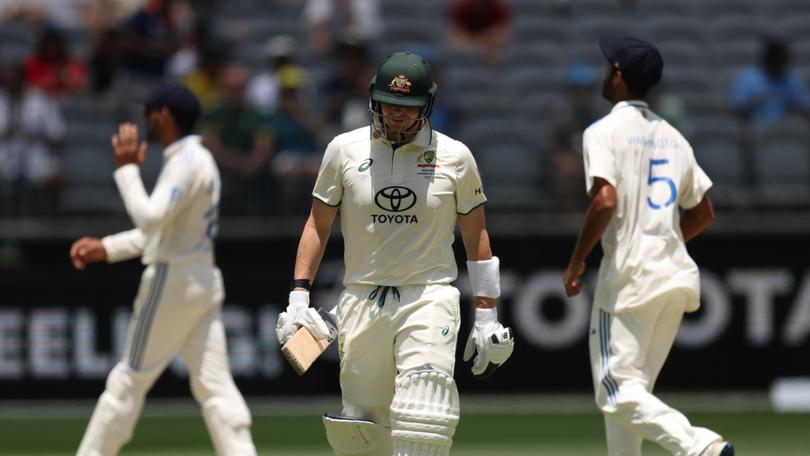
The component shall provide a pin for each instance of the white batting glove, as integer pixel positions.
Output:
(286, 324)
(489, 341)
(317, 326)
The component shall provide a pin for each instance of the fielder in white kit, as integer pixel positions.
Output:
(640, 172)
(177, 309)
(400, 188)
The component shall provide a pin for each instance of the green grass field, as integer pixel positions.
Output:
(541, 428)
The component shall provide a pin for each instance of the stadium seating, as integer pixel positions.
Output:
(704, 43)
(782, 163)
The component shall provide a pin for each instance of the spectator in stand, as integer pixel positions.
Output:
(295, 131)
(52, 69)
(187, 59)
(206, 80)
(150, 39)
(346, 90)
(770, 91)
(263, 90)
(568, 118)
(239, 139)
(328, 19)
(31, 129)
(107, 19)
(482, 25)
(105, 61)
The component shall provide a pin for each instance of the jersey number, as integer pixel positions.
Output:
(652, 180)
(211, 216)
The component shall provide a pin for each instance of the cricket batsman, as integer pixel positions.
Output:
(400, 188)
(177, 309)
(640, 173)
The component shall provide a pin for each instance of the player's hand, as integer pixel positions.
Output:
(490, 342)
(126, 147)
(287, 320)
(573, 286)
(87, 250)
(316, 325)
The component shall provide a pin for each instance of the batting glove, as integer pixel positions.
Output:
(286, 324)
(317, 326)
(489, 341)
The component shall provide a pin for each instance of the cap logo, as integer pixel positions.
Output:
(400, 84)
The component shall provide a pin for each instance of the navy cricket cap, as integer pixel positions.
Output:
(639, 61)
(178, 99)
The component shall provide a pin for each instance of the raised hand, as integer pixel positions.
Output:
(126, 147)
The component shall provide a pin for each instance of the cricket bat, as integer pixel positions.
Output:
(303, 349)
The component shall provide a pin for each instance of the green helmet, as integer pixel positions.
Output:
(404, 79)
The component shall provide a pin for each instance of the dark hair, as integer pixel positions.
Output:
(185, 121)
(636, 91)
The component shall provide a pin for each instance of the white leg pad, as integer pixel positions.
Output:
(356, 437)
(424, 414)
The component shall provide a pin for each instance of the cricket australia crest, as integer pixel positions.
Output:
(400, 84)
(425, 165)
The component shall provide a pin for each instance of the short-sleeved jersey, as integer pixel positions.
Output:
(654, 171)
(177, 222)
(398, 206)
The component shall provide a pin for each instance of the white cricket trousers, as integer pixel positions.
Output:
(387, 337)
(176, 311)
(628, 349)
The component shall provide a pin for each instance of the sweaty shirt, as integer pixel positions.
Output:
(654, 171)
(398, 207)
(178, 221)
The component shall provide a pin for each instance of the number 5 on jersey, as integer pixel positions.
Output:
(652, 180)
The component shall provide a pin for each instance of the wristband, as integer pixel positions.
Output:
(485, 277)
(300, 283)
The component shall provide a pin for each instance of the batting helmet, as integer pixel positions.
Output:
(404, 79)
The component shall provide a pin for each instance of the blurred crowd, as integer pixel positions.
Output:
(273, 99)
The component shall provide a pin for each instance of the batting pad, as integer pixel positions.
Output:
(424, 414)
(356, 437)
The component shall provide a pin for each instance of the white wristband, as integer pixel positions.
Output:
(485, 277)
(484, 316)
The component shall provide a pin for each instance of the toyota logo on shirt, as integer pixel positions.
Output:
(395, 199)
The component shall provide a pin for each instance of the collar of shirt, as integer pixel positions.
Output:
(627, 103)
(178, 145)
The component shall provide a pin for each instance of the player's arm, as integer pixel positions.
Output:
(695, 220)
(489, 341)
(310, 252)
(476, 243)
(313, 240)
(148, 212)
(597, 219)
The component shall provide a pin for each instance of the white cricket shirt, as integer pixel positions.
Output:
(654, 171)
(398, 208)
(178, 221)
